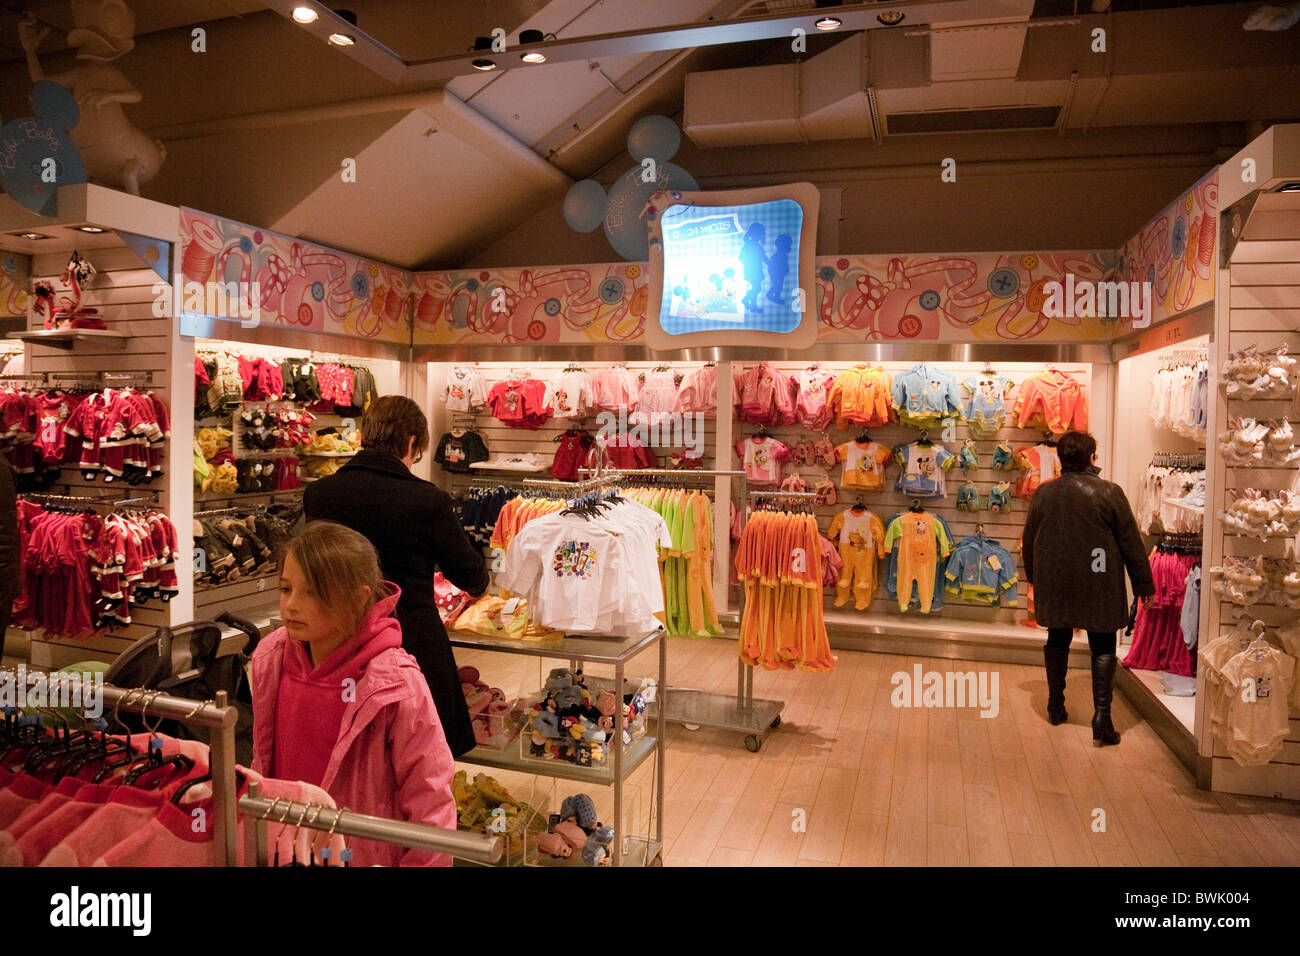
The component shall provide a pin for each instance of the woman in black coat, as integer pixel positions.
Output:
(414, 528)
(1080, 536)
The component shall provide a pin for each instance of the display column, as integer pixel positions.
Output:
(722, 488)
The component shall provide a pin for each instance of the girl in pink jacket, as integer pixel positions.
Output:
(338, 703)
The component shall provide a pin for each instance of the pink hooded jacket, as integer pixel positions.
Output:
(390, 759)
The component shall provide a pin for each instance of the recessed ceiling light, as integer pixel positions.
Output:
(305, 15)
(484, 65)
(1289, 188)
(537, 56)
(829, 23)
(93, 230)
(32, 236)
(892, 18)
(338, 38)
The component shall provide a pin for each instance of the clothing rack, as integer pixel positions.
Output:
(476, 847)
(148, 497)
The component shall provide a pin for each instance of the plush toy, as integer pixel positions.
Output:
(581, 809)
(571, 833)
(596, 851)
(553, 844)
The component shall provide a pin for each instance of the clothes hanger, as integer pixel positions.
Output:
(916, 506)
(863, 436)
(924, 439)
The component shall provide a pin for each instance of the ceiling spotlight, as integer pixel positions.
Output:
(31, 236)
(537, 56)
(93, 230)
(1288, 188)
(344, 39)
(482, 44)
(303, 14)
(529, 37)
(892, 18)
(829, 23)
(484, 65)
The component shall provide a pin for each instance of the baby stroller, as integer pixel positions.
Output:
(189, 661)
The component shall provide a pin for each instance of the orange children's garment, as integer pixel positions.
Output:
(859, 537)
(861, 396)
(1053, 401)
(864, 464)
(1040, 464)
(921, 542)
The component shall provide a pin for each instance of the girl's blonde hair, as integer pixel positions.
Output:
(337, 563)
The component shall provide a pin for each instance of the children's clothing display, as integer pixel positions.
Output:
(923, 465)
(762, 458)
(1180, 398)
(1000, 498)
(517, 512)
(812, 406)
(655, 397)
(1158, 643)
(860, 539)
(591, 573)
(862, 396)
(1040, 464)
(778, 560)
(968, 498)
(920, 540)
(465, 390)
(571, 393)
(687, 564)
(613, 389)
(456, 452)
(1052, 401)
(924, 396)
(1171, 497)
(1262, 514)
(968, 457)
(1004, 459)
(1253, 444)
(1250, 689)
(571, 454)
(864, 464)
(519, 403)
(766, 396)
(83, 572)
(698, 391)
(982, 571)
(479, 509)
(627, 451)
(503, 462)
(983, 404)
(1252, 375)
(240, 544)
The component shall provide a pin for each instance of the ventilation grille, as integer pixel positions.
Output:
(973, 121)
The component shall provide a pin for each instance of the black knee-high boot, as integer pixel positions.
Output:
(1103, 685)
(1056, 660)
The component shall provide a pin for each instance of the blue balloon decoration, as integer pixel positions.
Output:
(624, 226)
(584, 205)
(656, 137)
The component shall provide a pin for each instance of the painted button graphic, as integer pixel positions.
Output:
(1179, 237)
(611, 290)
(1004, 282)
(552, 307)
(929, 300)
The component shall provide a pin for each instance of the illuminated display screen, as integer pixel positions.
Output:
(731, 267)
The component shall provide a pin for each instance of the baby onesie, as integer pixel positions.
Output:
(864, 464)
(762, 459)
(860, 537)
(921, 541)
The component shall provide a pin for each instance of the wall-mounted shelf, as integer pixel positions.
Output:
(328, 454)
(66, 339)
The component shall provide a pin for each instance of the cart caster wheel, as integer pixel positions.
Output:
(776, 721)
(753, 743)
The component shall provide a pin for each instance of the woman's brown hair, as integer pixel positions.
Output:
(338, 563)
(390, 423)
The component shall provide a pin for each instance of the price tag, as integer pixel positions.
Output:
(510, 607)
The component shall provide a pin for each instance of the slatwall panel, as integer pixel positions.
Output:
(249, 596)
(1006, 528)
(502, 439)
(122, 290)
(1263, 309)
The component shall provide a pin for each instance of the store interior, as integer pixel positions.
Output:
(743, 665)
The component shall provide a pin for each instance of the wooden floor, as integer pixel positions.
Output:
(851, 780)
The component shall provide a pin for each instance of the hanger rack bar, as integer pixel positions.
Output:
(312, 816)
(783, 494)
(149, 497)
(675, 472)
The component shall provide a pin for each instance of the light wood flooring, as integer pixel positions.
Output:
(877, 785)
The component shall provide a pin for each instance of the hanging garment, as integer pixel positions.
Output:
(861, 397)
(574, 447)
(687, 565)
(1257, 683)
(923, 465)
(1158, 643)
(812, 397)
(924, 396)
(465, 390)
(571, 394)
(455, 453)
(1040, 464)
(698, 391)
(613, 389)
(1051, 401)
(860, 537)
(766, 396)
(983, 403)
(519, 403)
(762, 458)
(982, 571)
(864, 464)
(655, 398)
(920, 541)
(778, 560)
